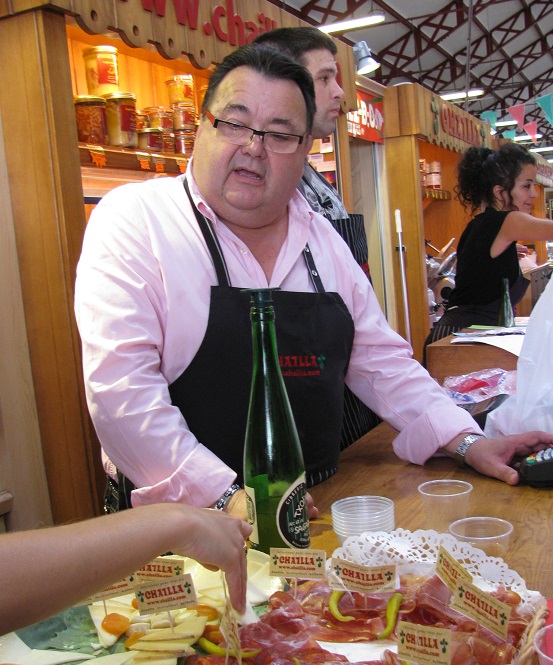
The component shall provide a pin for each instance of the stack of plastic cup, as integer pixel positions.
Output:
(356, 514)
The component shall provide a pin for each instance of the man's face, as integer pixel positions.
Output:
(248, 186)
(328, 94)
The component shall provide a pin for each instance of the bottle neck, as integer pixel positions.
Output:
(264, 335)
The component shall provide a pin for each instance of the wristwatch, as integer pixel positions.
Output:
(220, 505)
(462, 448)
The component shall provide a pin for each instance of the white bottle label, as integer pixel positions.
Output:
(292, 517)
(252, 518)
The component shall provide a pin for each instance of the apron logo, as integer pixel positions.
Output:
(302, 365)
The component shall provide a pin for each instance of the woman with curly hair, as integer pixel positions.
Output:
(500, 187)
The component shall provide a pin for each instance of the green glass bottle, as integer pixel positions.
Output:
(274, 472)
(506, 316)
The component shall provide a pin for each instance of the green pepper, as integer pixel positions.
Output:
(333, 606)
(210, 647)
(392, 610)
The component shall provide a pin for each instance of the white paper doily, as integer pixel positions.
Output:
(417, 551)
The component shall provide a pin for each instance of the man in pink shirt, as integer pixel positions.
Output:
(165, 326)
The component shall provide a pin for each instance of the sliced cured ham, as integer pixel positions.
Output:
(289, 632)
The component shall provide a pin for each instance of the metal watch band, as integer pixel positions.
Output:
(220, 505)
(465, 444)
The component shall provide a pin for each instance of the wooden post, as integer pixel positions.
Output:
(42, 160)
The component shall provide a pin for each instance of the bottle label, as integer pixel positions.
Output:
(252, 518)
(292, 518)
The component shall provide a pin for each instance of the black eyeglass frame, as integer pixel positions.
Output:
(255, 132)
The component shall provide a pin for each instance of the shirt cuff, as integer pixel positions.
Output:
(200, 481)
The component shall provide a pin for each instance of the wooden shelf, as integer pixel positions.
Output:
(131, 160)
(431, 195)
(436, 194)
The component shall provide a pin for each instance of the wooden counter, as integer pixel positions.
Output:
(446, 359)
(371, 467)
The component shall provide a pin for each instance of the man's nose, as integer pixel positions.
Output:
(338, 92)
(255, 145)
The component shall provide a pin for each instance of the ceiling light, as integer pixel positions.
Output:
(527, 137)
(450, 96)
(505, 123)
(547, 148)
(364, 62)
(353, 24)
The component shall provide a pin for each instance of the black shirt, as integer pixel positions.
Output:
(478, 276)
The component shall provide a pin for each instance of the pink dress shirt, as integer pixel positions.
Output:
(142, 301)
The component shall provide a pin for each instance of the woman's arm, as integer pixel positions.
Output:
(521, 226)
(46, 570)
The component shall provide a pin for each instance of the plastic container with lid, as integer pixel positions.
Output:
(90, 113)
(184, 142)
(121, 116)
(184, 117)
(102, 74)
(180, 89)
(151, 139)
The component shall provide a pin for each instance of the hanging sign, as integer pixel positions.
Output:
(367, 122)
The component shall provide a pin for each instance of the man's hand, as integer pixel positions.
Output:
(492, 457)
(237, 506)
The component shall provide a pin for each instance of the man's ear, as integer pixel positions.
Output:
(308, 143)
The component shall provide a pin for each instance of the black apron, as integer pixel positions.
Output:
(358, 419)
(314, 339)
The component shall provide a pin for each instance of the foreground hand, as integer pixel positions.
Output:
(218, 543)
(492, 457)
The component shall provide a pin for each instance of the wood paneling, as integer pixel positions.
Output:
(47, 203)
(405, 195)
(22, 469)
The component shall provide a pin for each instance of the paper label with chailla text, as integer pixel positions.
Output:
(301, 564)
(423, 644)
(163, 566)
(365, 579)
(476, 604)
(449, 570)
(172, 593)
(126, 585)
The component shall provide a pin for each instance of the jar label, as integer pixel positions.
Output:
(107, 70)
(128, 117)
(292, 518)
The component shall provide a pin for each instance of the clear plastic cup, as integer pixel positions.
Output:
(543, 644)
(490, 534)
(354, 515)
(444, 501)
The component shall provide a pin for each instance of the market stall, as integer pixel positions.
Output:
(41, 44)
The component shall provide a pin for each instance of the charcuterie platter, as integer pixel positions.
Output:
(310, 622)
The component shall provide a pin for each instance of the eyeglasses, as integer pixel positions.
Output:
(284, 144)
